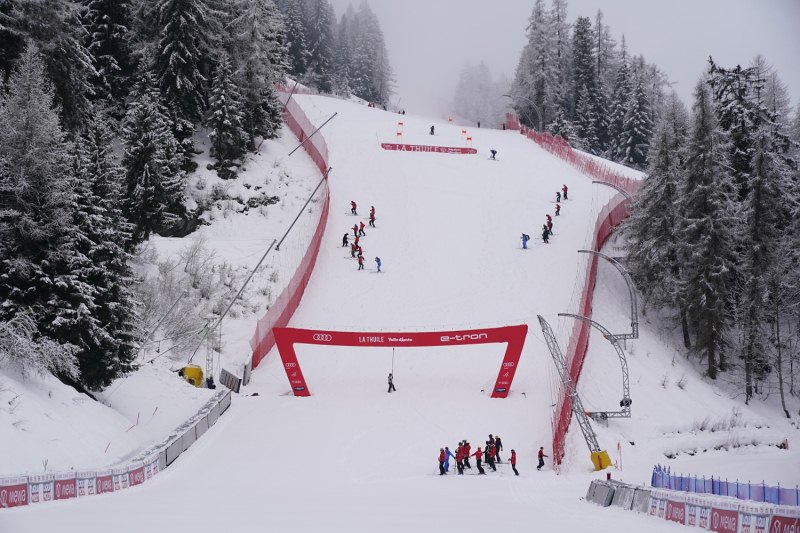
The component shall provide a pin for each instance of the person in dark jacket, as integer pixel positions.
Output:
(514, 462)
(525, 239)
(432, 131)
(345, 241)
(545, 234)
(498, 447)
(441, 462)
(558, 196)
(391, 383)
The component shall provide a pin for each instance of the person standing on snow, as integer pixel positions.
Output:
(477, 456)
(353, 250)
(460, 458)
(494, 153)
(558, 209)
(467, 455)
(514, 462)
(550, 227)
(378, 262)
(344, 240)
(525, 239)
(545, 234)
(391, 383)
(447, 455)
(541, 456)
(355, 230)
(441, 462)
(361, 229)
(432, 131)
(564, 188)
(353, 207)
(490, 456)
(498, 446)
(372, 216)
(558, 196)
(360, 262)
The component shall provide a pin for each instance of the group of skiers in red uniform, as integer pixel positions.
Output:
(547, 227)
(358, 232)
(489, 456)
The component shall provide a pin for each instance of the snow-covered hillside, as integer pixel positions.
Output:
(352, 457)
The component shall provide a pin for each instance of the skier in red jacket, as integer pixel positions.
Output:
(466, 455)
(372, 210)
(353, 250)
(353, 207)
(360, 262)
(355, 230)
(490, 456)
(541, 456)
(460, 458)
(558, 209)
(361, 229)
(372, 220)
(564, 188)
(477, 455)
(514, 462)
(441, 462)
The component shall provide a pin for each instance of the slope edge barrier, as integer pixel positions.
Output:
(717, 513)
(280, 312)
(611, 215)
(29, 489)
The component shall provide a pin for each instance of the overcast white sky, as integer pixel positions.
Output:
(430, 40)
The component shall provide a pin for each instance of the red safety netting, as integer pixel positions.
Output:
(610, 216)
(284, 307)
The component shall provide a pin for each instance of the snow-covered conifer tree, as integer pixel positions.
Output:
(225, 119)
(636, 129)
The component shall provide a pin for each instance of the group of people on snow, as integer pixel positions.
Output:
(358, 231)
(489, 455)
(547, 227)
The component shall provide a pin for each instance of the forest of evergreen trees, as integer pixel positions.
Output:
(100, 101)
(715, 232)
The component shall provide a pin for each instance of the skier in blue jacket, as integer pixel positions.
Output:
(378, 261)
(447, 455)
(525, 239)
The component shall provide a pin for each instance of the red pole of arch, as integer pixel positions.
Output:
(513, 336)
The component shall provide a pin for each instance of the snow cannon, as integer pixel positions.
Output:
(193, 374)
(601, 460)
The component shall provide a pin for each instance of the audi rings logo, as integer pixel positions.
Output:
(291, 365)
(323, 337)
(510, 364)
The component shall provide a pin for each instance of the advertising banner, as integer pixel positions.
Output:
(724, 520)
(65, 486)
(514, 336)
(676, 511)
(135, 475)
(86, 483)
(425, 148)
(13, 492)
(40, 488)
(120, 478)
(785, 520)
(104, 482)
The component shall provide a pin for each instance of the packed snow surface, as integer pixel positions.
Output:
(352, 457)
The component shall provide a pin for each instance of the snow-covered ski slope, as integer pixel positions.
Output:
(352, 457)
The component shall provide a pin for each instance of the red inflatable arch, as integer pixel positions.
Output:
(286, 338)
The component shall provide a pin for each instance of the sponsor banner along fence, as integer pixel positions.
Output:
(37, 488)
(281, 311)
(705, 511)
(610, 216)
(426, 148)
(760, 492)
(514, 336)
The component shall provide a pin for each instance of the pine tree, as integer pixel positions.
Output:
(342, 58)
(583, 63)
(636, 129)
(654, 241)
(153, 198)
(370, 72)
(558, 30)
(35, 216)
(320, 41)
(619, 108)
(585, 120)
(184, 42)
(260, 59)
(707, 227)
(535, 72)
(294, 13)
(562, 127)
(55, 27)
(107, 336)
(108, 23)
(225, 119)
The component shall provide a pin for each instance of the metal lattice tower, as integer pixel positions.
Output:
(634, 334)
(569, 387)
(625, 403)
